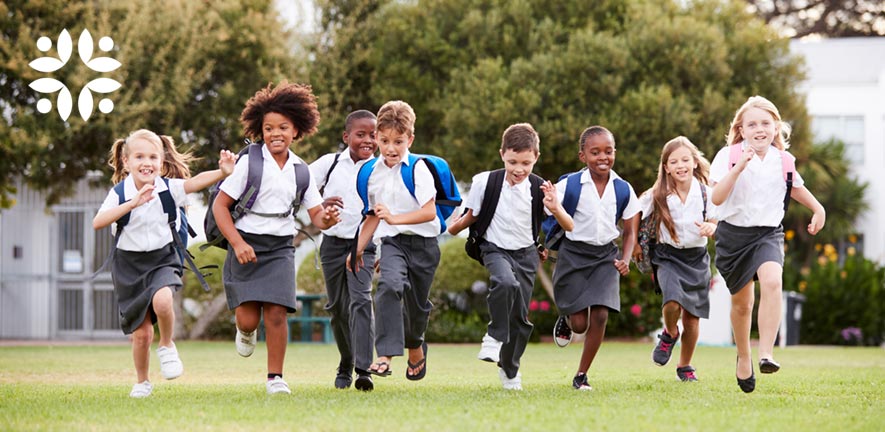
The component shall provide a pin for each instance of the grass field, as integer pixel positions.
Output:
(86, 388)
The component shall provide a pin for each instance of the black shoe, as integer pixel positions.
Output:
(579, 382)
(767, 366)
(662, 352)
(345, 375)
(364, 381)
(686, 374)
(562, 333)
(747, 384)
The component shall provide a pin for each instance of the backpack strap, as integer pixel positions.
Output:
(172, 212)
(407, 171)
(537, 206)
(362, 183)
(734, 154)
(572, 193)
(704, 199)
(253, 180)
(622, 197)
(489, 203)
(322, 187)
(788, 167)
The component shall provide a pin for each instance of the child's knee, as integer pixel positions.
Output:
(143, 336)
(599, 316)
(578, 322)
(275, 316)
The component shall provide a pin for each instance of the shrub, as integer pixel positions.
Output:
(458, 294)
(310, 276)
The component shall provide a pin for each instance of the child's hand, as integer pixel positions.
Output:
(245, 254)
(746, 156)
(331, 216)
(383, 213)
(550, 198)
(543, 253)
(706, 229)
(333, 201)
(144, 195)
(622, 266)
(817, 222)
(226, 162)
(354, 267)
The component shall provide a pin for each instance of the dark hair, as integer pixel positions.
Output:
(294, 101)
(520, 137)
(592, 131)
(357, 115)
(397, 115)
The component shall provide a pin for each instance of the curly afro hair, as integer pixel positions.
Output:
(294, 101)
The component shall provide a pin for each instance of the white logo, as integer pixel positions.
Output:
(64, 102)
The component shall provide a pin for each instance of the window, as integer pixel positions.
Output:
(848, 129)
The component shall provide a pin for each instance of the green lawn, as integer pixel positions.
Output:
(86, 388)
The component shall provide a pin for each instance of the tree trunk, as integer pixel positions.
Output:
(209, 315)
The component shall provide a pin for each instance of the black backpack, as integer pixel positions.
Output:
(490, 198)
(244, 205)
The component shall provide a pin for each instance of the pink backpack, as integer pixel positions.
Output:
(788, 166)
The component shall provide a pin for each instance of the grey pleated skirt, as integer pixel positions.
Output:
(137, 277)
(684, 277)
(585, 275)
(740, 251)
(270, 280)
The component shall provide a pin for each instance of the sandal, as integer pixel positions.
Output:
(420, 364)
(377, 370)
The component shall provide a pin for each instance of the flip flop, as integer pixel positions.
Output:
(375, 371)
(417, 365)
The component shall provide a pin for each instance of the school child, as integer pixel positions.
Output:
(754, 178)
(678, 209)
(589, 264)
(508, 247)
(407, 227)
(145, 266)
(259, 270)
(350, 295)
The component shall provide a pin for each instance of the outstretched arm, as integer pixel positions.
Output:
(551, 202)
(110, 216)
(367, 230)
(324, 217)
(462, 222)
(806, 198)
(207, 178)
(425, 214)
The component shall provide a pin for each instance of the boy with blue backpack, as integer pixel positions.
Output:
(504, 212)
(589, 265)
(406, 201)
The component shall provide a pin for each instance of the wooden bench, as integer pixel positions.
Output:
(307, 320)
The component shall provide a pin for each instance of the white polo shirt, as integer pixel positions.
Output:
(342, 183)
(275, 195)
(511, 225)
(148, 227)
(386, 187)
(684, 216)
(595, 215)
(757, 198)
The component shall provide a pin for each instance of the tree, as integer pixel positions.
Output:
(830, 18)
(187, 68)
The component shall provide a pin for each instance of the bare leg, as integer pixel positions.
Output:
(248, 315)
(596, 332)
(142, 338)
(277, 335)
(770, 303)
(690, 331)
(671, 312)
(741, 320)
(163, 307)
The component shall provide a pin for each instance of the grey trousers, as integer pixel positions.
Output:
(512, 277)
(350, 301)
(408, 263)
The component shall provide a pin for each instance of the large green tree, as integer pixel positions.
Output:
(187, 69)
(647, 70)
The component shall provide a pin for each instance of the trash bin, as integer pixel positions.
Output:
(791, 319)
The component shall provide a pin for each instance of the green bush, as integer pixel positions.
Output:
(223, 326)
(844, 304)
(310, 276)
(459, 314)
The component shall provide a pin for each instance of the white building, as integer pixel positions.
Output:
(846, 100)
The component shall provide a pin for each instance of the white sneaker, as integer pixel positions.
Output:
(491, 349)
(514, 383)
(277, 385)
(141, 390)
(246, 342)
(170, 364)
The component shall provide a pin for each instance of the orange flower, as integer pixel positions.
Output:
(789, 235)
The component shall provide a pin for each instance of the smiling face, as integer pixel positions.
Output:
(518, 165)
(759, 128)
(598, 152)
(360, 139)
(680, 165)
(278, 133)
(143, 159)
(393, 145)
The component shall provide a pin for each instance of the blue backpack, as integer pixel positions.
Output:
(448, 198)
(553, 233)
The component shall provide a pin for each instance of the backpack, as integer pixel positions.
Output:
(788, 167)
(244, 205)
(553, 233)
(447, 196)
(322, 187)
(179, 236)
(490, 199)
(647, 237)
